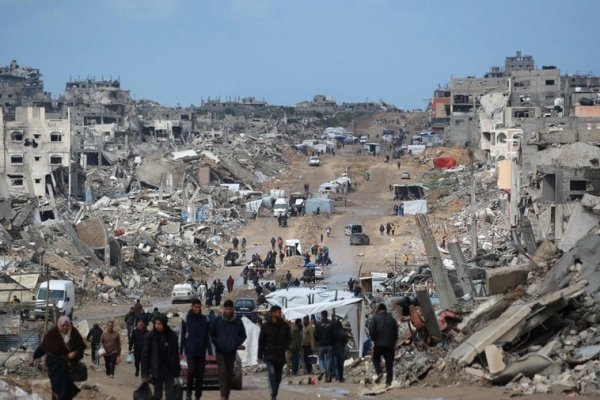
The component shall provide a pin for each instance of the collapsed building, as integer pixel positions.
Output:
(35, 152)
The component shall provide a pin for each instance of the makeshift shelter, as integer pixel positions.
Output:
(295, 245)
(324, 205)
(329, 187)
(372, 148)
(249, 356)
(293, 297)
(414, 207)
(24, 286)
(352, 309)
(409, 192)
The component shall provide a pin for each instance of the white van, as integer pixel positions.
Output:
(352, 228)
(61, 295)
(280, 207)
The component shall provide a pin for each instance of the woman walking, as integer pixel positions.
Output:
(63, 347)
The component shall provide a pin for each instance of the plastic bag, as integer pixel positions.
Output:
(129, 358)
(101, 351)
(143, 392)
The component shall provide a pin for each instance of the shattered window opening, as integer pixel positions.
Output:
(56, 137)
(16, 136)
(16, 180)
(16, 159)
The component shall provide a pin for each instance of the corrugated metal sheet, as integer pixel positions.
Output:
(28, 338)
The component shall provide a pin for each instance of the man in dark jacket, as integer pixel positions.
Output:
(227, 333)
(130, 322)
(136, 343)
(324, 340)
(340, 337)
(273, 341)
(93, 337)
(296, 345)
(384, 334)
(194, 341)
(160, 360)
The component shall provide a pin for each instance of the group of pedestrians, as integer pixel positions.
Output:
(158, 353)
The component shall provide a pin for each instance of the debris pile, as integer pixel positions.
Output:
(152, 218)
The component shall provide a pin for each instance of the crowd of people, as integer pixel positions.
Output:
(158, 353)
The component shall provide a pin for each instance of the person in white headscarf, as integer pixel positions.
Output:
(63, 347)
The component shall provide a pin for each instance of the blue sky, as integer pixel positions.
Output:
(179, 51)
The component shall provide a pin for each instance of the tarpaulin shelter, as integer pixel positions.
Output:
(352, 309)
(324, 205)
(249, 356)
(293, 297)
(414, 207)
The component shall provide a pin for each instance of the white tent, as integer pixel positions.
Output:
(352, 309)
(300, 296)
(413, 207)
(249, 356)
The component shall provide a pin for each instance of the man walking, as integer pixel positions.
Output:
(160, 361)
(273, 241)
(308, 344)
(340, 337)
(111, 341)
(194, 341)
(324, 340)
(296, 345)
(136, 343)
(273, 341)
(227, 333)
(130, 322)
(230, 283)
(384, 334)
(93, 337)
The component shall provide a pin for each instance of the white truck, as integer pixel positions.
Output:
(280, 208)
(59, 294)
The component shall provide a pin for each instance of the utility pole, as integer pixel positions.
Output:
(47, 293)
(443, 286)
(473, 207)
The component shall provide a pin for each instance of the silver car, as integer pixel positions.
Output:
(359, 239)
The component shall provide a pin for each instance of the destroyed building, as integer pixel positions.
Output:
(104, 119)
(233, 106)
(35, 151)
(320, 103)
(21, 86)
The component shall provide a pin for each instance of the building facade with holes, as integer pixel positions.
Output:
(32, 149)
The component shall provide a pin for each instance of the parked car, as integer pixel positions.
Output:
(183, 293)
(359, 239)
(245, 307)
(211, 373)
(314, 161)
(405, 175)
(319, 275)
